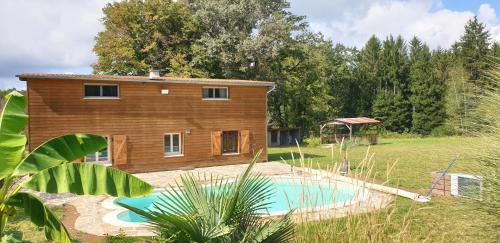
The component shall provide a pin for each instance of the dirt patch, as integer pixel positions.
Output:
(70, 216)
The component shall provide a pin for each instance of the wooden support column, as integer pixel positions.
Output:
(350, 131)
(320, 134)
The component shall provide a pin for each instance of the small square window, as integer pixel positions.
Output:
(101, 157)
(172, 144)
(206, 93)
(92, 90)
(100, 91)
(110, 91)
(215, 93)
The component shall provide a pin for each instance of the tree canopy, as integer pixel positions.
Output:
(402, 82)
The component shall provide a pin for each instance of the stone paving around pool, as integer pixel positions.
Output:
(94, 211)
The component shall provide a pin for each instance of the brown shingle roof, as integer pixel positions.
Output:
(356, 120)
(98, 77)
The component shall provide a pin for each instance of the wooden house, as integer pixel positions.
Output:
(152, 123)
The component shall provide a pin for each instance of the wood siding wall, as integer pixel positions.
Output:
(57, 107)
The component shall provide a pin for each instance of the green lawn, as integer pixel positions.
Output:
(415, 158)
(20, 226)
(448, 219)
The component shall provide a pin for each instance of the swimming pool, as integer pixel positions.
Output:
(289, 194)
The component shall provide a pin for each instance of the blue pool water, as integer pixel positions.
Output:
(289, 194)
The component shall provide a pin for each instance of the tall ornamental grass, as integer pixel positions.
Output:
(488, 151)
(375, 223)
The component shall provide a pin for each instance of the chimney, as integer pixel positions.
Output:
(154, 74)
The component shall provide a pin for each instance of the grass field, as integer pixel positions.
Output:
(20, 226)
(413, 158)
(444, 219)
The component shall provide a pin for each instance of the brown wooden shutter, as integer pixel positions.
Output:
(119, 149)
(216, 143)
(245, 141)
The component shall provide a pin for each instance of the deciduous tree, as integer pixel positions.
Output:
(140, 35)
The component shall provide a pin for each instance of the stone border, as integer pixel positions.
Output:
(112, 219)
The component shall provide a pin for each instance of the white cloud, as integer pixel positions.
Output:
(43, 35)
(50, 32)
(487, 13)
(427, 19)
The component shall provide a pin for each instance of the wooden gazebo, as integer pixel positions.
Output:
(349, 123)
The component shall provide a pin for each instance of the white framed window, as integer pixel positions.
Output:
(101, 91)
(101, 157)
(215, 93)
(172, 144)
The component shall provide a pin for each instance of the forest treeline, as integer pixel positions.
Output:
(404, 83)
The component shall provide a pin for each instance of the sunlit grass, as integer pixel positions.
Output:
(444, 219)
(21, 226)
(415, 158)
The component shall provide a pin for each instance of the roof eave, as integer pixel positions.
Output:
(21, 77)
(188, 81)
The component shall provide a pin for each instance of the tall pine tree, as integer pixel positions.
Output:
(427, 90)
(395, 86)
(495, 49)
(368, 76)
(473, 49)
(466, 82)
(392, 110)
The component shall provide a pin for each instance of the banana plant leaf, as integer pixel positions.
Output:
(88, 179)
(12, 138)
(60, 150)
(40, 215)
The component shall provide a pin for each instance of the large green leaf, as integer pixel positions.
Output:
(13, 117)
(60, 150)
(88, 179)
(41, 216)
(12, 138)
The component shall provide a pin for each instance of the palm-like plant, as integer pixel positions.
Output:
(48, 168)
(222, 211)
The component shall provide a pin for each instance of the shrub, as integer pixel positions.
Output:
(389, 134)
(312, 141)
(443, 131)
(121, 237)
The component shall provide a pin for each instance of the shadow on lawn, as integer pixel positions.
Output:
(288, 156)
(17, 236)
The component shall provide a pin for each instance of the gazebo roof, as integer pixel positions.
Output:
(351, 121)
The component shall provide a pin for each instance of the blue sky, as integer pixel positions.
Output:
(57, 36)
(468, 5)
